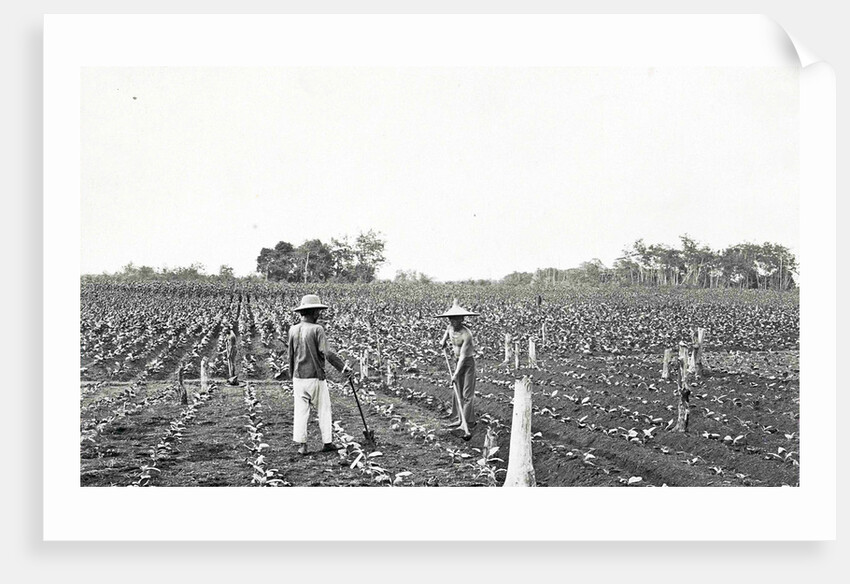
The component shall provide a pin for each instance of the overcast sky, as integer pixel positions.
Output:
(468, 172)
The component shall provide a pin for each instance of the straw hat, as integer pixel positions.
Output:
(456, 310)
(309, 301)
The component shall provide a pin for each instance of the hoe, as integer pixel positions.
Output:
(368, 434)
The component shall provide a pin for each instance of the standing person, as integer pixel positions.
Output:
(308, 351)
(230, 354)
(460, 339)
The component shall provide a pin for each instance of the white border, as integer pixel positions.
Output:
(74, 513)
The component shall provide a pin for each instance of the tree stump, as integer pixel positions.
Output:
(695, 365)
(205, 382)
(532, 355)
(684, 391)
(683, 353)
(693, 349)
(181, 389)
(516, 355)
(508, 350)
(390, 375)
(665, 367)
(543, 335)
(364, 364)
(520, 459)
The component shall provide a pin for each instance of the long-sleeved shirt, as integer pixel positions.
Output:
(308, 350)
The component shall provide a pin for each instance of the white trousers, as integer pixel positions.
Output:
(307, 392)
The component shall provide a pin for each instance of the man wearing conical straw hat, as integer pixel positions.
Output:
(308, 351)
(460, 339)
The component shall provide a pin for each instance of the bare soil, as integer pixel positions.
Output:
(598, 421)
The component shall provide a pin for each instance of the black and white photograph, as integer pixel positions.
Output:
(445, 277)
(465, 266)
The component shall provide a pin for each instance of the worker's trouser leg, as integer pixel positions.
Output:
(466, 389)
(307, 392)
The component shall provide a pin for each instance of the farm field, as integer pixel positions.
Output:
(602, 414)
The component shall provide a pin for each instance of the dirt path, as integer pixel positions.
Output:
(211, 452)
(401, 452)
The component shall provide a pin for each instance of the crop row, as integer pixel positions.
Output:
(262, 475)
(169, 439)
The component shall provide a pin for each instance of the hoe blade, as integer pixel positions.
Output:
(369, 438)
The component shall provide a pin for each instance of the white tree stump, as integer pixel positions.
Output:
(543, 335)
(508, 350)
(684, 391)
(532, 355)
(692, 352)
(364, 364)
(700, 367)
(520, 463)
(516, 355)
(665, 366)
(205, 380)
(390, 375)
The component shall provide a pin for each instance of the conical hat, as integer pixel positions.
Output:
(456, 310)
(309, 301)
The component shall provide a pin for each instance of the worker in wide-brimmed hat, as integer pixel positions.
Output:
(308, 352)
(460, 339)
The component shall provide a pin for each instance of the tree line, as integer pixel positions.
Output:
(744, 265)
(131, 273)
(341, 260)
(767, 266)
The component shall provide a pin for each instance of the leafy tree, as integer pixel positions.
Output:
(279, 264)
(698, 262)
(625, 269)
(593, 272)
(315, 261)
(369, 253)
(342, 259)
(667, 265)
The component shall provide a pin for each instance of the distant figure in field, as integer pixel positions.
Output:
(460, 339)
(308, 351)
(230, 354)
